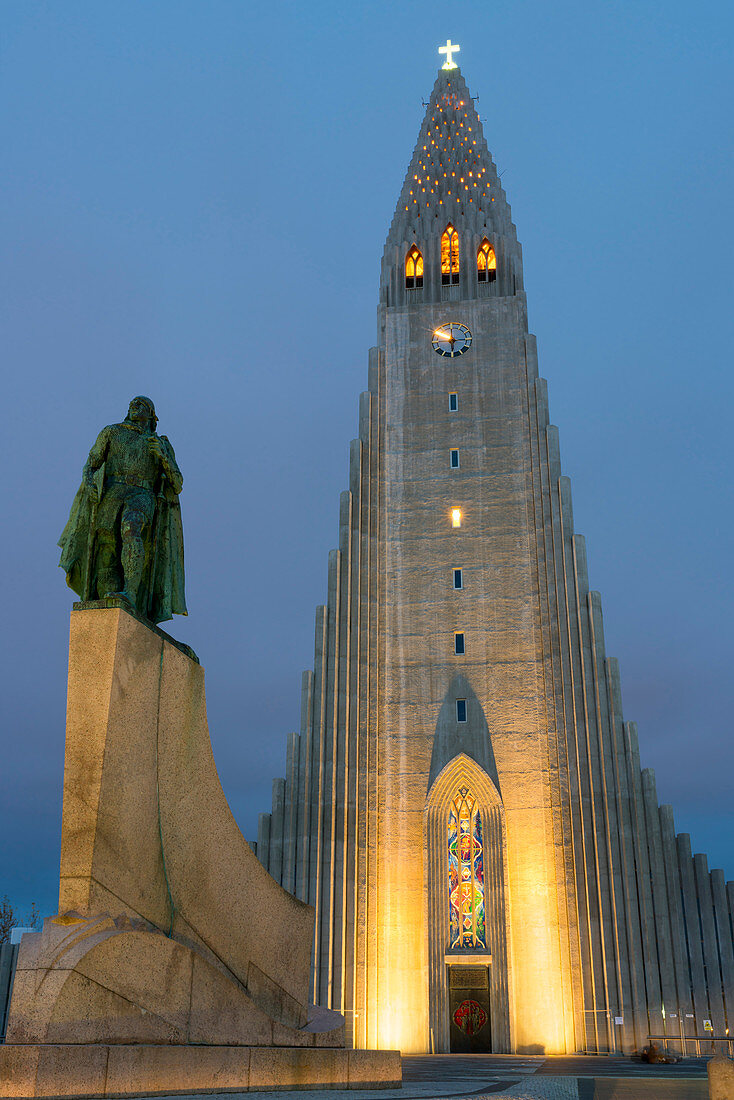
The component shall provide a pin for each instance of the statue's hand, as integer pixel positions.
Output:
(154, 446)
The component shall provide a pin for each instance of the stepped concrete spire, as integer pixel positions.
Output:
(464, 804)
(452, 179)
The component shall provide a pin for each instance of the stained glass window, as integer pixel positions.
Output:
(449, 256)
(466, 873)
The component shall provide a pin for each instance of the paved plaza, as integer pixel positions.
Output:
(575, 1077)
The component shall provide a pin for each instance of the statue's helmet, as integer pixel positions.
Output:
(148, 404)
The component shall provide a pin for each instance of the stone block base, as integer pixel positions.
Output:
(102, 1070)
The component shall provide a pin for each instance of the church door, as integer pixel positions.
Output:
(469, 1024)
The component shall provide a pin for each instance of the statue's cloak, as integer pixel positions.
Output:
(165, 590)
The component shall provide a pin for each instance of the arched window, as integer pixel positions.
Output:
(466, 873)
(413, 269)
(449, 256)
(486, 263)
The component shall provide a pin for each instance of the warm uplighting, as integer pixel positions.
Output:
(456, 517)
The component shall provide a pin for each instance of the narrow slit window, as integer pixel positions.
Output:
(449, 256)
(486, 263)
(459, 646)
(458, 578)
(453, 402)
(461, 710)
(454, 458)
(413, 269)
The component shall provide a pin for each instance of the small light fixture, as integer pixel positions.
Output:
(456, 517)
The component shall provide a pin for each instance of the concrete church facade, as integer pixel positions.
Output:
(464, 805)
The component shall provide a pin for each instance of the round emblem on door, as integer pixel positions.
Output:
(470, 1017)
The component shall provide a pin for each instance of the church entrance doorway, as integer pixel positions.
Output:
(470, 1027)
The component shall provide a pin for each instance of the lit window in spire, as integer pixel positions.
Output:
(466, 874)
(486, 263)
(449, 256)
(413, 269)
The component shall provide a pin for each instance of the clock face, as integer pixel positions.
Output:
(451, 339)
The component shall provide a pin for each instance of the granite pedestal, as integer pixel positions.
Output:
(176, 963)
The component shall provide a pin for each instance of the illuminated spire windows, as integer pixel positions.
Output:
(413, 269)
(486, 263)
(449, 256)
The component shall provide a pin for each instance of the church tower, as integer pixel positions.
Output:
(463, 805)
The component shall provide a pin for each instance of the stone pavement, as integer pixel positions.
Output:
(481, 1077)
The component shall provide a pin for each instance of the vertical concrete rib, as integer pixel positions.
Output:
(684, 1010)
(694, 938)
(573, 833)
(597, 1012)
(567, 841)
(644, 888)
(545, 469)
(634, 1010)
(317, 787)
(660, 906)
(305, 772)
(726, 948)
(353, 738)
(328, 794)
(575, 725)
(617, 961)
(711, 962)
(275, 859)
(290, 829)
(341, 729)
(263, 840)
(372, 714)
(365, 899)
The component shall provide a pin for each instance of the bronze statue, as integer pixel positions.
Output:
(124, 538)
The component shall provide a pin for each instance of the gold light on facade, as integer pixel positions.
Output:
(456, 517)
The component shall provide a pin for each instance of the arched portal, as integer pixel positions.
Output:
(469, 986)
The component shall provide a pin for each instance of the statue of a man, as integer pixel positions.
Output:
(124, 538)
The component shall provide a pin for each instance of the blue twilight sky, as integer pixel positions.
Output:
(194, 202)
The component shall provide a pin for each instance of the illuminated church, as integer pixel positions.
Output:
(464, 805)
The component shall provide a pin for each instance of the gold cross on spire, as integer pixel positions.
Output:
(448, 49)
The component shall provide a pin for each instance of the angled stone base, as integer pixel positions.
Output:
(99, 1070)
(176, 964)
